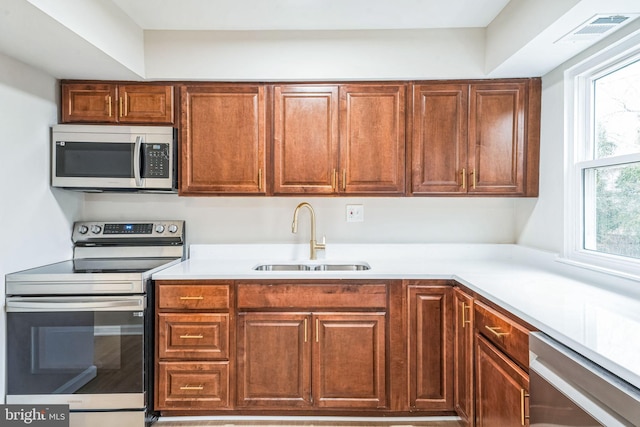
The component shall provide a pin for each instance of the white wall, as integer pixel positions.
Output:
(268, 219)
(36, 222)
(315, 55)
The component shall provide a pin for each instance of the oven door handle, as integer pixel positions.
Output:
(54, 304)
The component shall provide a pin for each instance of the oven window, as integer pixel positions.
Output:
(94, 160)
(75, 352)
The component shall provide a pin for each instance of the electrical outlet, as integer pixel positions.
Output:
(355, 213)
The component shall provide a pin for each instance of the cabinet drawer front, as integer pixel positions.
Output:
(193, 297)
(193, 336)
(311, 296)
(505, 333)
(192, 385)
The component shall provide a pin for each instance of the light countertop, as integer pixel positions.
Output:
(595, 314)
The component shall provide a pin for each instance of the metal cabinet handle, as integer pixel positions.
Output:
(464, 318)
(192, 387)
(305, 330)
(192, 298)
(464, 178)
(109, 102)
(523, 417)
(260, 179)
(344, 180)
(494, 330)
(474, 178)
(121, 109)
(317, 330)
(193, 337)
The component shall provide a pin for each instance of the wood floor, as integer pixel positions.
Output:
(314, 422)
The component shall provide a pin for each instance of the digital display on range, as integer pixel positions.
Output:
(128, 228)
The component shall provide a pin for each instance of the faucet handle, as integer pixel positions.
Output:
(323, 244)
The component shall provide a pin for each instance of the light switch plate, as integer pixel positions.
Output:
(355, 213)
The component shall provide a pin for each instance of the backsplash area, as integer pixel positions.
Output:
(259, 220)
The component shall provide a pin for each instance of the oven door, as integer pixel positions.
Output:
(87, 352)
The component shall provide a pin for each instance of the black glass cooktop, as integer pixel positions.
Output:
(99, 265)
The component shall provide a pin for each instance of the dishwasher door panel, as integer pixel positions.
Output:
(569, 390)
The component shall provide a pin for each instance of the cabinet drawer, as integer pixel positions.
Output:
(193, 297)
(202, 385)
(505, 333)
(193, 336)
(311, 296)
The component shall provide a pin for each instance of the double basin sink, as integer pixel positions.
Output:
(314, 266)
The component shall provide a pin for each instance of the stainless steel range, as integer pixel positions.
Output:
(80, 332)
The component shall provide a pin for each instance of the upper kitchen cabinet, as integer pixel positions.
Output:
(439, 152)
(476, 138)
(339, 139)
(305, 139)
(147, 104)
(223, 138)
(372, 139)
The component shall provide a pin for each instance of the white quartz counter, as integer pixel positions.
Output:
(595, 314)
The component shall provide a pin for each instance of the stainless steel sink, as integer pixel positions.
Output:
(321, 266)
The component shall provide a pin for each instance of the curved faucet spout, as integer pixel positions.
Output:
(313, 245)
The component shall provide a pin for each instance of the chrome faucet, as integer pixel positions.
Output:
(313, 245)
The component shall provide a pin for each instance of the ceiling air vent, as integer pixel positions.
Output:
(597, 27)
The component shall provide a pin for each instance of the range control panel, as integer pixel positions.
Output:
(112, 231)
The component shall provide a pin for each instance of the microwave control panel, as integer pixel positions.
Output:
(156, 160)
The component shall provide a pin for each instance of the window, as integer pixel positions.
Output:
(603, 212)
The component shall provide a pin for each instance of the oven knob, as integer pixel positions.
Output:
(159, 228)
(173, 228)
(96, 229)
(83, 229)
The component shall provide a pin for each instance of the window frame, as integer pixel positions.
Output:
(579, 143)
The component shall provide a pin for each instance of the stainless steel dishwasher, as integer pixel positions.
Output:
(567, 389)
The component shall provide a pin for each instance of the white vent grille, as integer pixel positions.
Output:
(597, 27)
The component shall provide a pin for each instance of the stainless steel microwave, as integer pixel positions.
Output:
(114, 158)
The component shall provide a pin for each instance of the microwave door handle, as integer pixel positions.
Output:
(137, 161)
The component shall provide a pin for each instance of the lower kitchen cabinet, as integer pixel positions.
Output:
(193, 347)
(349, 360)
(501, 368)
(430, 346)
(311, 360)
(192, 385)
(339, 347)
(502, 388)
(463, 356)
(274, 359)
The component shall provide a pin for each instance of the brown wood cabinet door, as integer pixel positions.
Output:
(90, 103)
(463, 356)
(501, 388)
(223, 139)
(372, 139)
(439, 150)
(305, 145)
(274, 360)
(148, 104)
(430, 347)
(496, 137)
(349, 360)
